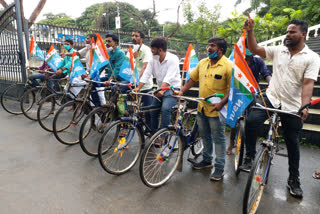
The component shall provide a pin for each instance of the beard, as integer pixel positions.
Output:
(292, 43)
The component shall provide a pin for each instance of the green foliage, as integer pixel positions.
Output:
(58, 19)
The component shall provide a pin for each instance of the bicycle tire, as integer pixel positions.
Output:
(159, 162)
(93, 127)
(48, 107)
(67, 121)
(256, 182)
(10, 98)
(239, 144)
(197, 146)
(30, 100)
(124, 151)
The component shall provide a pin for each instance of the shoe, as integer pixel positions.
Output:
(246, 165)
(217, 175)
(202, 165)
(294, 187)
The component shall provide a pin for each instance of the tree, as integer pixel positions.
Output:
(59, 19)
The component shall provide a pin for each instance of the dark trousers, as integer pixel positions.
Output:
(291, 126)
(54, 78)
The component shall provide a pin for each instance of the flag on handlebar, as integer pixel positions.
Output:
(99, 57)
(242, 85)
(53, 59)
(34, 49)
(76, 67)
(128, 71)
(190, 61)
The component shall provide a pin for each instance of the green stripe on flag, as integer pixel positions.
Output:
(242, 88)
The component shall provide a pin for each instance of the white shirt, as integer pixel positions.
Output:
(85, 52)
(286, 83)
(168, 71)
(144, 56)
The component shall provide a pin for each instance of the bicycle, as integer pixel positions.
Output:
(31, 98)
(121, 143)
(68, 119)
(11, 96)
(269, 147)
(158, 163)
(98, 120)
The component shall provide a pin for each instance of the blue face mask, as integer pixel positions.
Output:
(248, 53)
(67, 47)
(213, 55)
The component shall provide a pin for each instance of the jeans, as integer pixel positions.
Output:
(166, 104)
(54, 78)
(291, 126)
(147, 101)
(34, 78)
(212, 131)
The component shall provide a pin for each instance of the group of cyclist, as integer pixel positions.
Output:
(295, 69)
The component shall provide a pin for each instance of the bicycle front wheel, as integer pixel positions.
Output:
(48, 108)
(256, 181)
(68, 120)
(120, 147)
(10, 98)
(239, 144)
(197, 146)
(93, 127)
(30, 101)
(160, 158)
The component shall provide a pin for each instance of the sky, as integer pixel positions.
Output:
(167, 8)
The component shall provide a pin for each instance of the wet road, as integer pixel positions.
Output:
(40, 175)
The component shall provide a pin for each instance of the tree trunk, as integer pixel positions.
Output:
(178, 24)
(3, 3)
(36, 12)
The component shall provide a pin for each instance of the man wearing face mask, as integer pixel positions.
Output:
(64, 69)
(117, 57)
(258, 67)
(142, 56)
(214, 76)
(165, 68)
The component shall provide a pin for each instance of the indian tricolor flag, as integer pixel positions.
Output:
(190, 61)
(99, 57)
(35, 50)
(241, 44)
(242, 85)
(53, 59)
(128, 71)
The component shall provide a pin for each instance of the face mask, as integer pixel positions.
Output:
(109, 49)
(213, 55)
(156, 57)
(67, 47)
(248, 53)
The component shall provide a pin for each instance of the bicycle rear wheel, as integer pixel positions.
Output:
(160, 158)
(93, 127)
(68, 120)
(120, 147)
(30, 101)
(239, 144)
(256, 181)
(48, 108)
(10, 98)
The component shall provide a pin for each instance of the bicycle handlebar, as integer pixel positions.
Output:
(164, 89)
(310, 103)
(111, 82)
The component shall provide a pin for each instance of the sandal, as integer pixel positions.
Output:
(316, 174)
(124, 132)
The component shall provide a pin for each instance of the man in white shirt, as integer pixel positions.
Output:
(295, 69)
(164, 67)
(143, 55)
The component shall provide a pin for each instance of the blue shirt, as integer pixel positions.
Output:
(257, 66)
(66, 63)
(116, 59)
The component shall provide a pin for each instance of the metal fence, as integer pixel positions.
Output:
(47, 34)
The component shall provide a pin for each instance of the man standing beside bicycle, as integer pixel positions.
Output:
(214, 76)
(165, 68)
(295, 69)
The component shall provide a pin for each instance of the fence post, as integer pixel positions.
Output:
(197, 49)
